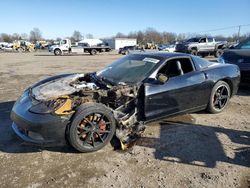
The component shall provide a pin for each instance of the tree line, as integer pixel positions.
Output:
(36, 35)
(149, 35)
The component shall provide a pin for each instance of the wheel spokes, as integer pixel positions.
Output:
(221, 97)
(94, 129)
(222, 90)
(88, 121)
(93, 140)
(87, 138)
(100, 118)
(102, 131)
(220, 104)
(224, 96)
(100, 137)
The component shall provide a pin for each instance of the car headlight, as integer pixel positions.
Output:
(59, 106)
(221, 60)
(40, 108)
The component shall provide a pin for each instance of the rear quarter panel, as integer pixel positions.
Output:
(226, 72)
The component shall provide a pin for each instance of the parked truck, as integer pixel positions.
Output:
(202, 46)
(65, 47)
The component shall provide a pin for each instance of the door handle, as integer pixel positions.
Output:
(205, 74)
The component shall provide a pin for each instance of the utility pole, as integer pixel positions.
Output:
(239, 33)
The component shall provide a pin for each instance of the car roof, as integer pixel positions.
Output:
(165, 55)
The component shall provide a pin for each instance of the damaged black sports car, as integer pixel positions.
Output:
(87, 110)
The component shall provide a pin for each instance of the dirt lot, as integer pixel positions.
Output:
(196, 150)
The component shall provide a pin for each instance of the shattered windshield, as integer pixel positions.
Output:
(130, 69)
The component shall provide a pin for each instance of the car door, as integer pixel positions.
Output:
(202, 45)
(180, 93)
(243, 52)
(210, 44)
(240, 56)
(64, 46)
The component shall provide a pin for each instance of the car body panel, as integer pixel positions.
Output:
(174, 96)
(50, 128)
(240, 57)
(180, 94)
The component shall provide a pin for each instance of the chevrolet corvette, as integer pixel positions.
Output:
(86, 110)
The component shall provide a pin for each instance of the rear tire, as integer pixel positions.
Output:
(93, 127)
(219, 98)
(93, 52)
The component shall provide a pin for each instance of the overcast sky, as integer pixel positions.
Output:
(105, 18)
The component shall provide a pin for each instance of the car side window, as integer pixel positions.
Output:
(177, 67)
(203, 40)
(245, 45)
(210, 39)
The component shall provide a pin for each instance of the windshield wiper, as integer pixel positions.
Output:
(103, 80)
(108, 81)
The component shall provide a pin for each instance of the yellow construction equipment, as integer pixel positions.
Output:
(150, 46)
(23, 46)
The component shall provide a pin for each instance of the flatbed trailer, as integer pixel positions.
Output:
(65, 47)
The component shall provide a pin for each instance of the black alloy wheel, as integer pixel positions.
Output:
(219, 97)
(92, 128)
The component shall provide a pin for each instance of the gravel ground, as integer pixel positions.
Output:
(193, 150)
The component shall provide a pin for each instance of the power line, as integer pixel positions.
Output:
(224, 28)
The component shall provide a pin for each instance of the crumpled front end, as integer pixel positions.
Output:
(54, 102)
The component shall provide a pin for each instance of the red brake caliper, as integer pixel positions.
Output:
(102, 125)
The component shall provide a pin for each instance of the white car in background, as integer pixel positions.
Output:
(6, 46)
(167, 47)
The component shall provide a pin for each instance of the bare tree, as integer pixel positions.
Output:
(168, 37)
(35, 35)
(89, 36)
(140, 37)
(5, 37)
(24, 36)
(77, 36)
(16, 36)
(120, 35)
(153, 36)
(181, 37)
(132, 35)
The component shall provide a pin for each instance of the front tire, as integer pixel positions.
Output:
(58, 52)
(218, 52)
(219, 98)
(93, 126)
(194, 52)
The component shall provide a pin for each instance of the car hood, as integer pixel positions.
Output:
(61, 86)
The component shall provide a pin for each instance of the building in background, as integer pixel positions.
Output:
(116, 43)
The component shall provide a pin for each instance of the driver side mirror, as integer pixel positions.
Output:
(162, 78)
